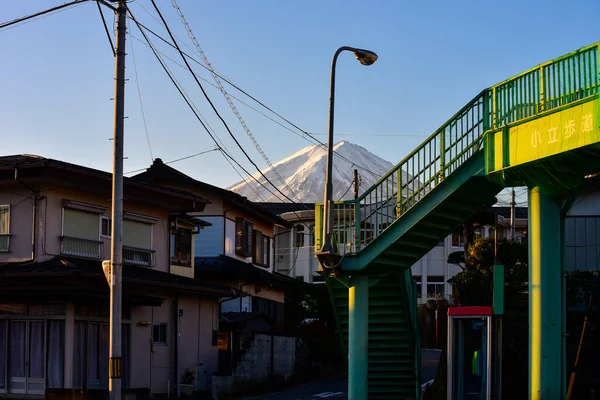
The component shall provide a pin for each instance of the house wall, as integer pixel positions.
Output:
(289, 259)
(582, 233)
(586, 204)
(20, 224)
(50, 219)
(200, 317)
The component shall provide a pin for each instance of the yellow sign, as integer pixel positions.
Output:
(561, 131)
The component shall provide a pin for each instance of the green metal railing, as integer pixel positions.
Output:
(546, 87)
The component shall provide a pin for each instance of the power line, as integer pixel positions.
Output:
(213, 106)
(304, 132)
(174, 161)
(183, 95)
(204, 125)
(227, 98)
(137, 82)
(112, 46)
(41, 13)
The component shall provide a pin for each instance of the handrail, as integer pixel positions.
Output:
(547, 86)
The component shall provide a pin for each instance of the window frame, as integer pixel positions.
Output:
(244, 237)
(300, 236)
(166, 333)
(177, 231)
(102, 219)
(261, 254)
(6, 234)
(460, 239)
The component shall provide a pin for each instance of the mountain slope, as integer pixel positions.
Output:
(304, 174)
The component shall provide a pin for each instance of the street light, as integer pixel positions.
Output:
(365, 57)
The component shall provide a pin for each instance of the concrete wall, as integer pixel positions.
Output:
(267, 356)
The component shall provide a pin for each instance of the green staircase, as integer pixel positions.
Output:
(393, 343)
(457, 171)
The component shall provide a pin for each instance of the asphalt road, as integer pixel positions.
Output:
(337, 389)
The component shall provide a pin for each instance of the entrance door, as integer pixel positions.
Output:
(26, 366)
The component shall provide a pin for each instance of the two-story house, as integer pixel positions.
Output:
(55, 228)
(235, 250)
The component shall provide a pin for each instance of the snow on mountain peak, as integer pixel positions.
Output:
(304, 174)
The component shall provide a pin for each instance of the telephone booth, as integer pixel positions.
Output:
(474, 353)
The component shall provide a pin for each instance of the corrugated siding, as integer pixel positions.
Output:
(182, 271)
(137, 234)
(209, 242)
(81, 224)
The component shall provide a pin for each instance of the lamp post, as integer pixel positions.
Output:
(365, 57)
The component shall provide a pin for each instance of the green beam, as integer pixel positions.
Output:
(358, 337)
(544, 297)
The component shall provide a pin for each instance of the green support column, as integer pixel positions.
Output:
(545, 310)
(358, 337)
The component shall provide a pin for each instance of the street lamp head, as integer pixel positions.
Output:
(365, 57)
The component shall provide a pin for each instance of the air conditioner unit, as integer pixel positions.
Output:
(201, 378)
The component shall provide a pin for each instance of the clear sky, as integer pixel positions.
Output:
(434, 56)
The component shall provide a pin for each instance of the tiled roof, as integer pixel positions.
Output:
(30, 161)
(229, 268)
(59, 266)
(160, 171)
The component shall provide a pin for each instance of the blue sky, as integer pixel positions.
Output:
(57, 74)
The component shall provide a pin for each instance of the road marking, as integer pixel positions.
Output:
(328, 394)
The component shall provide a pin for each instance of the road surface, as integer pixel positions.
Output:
(337, 389)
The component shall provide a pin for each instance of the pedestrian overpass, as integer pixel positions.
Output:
(539, 129)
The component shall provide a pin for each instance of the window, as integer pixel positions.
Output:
(299, 236)
(106, 227)
(262, 249)
(4, 229)
(159, 333)
(457, 239)
(435, 286)
(137, 242)
(80, 234)
(181, 246)
(243, 237)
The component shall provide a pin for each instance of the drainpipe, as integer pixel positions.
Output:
(177, 342)
(36, 199)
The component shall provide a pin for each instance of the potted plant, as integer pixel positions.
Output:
(186, 387)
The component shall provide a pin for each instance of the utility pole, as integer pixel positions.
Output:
(512, 214)
(116, 258)
(355, 184)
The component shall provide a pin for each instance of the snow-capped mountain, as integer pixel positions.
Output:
(304, 174)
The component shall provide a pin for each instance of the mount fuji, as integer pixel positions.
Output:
(304, 174)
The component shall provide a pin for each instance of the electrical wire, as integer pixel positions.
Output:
(112, 46)
(227, 98)
(174, 161)
(304, 132)
(182, 93)
(137, 82)
(213, 106)
(41, 13)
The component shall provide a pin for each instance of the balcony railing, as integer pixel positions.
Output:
(137, 256)
(78, 247)
(4, 242)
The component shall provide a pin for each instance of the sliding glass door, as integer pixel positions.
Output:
(26, 366)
